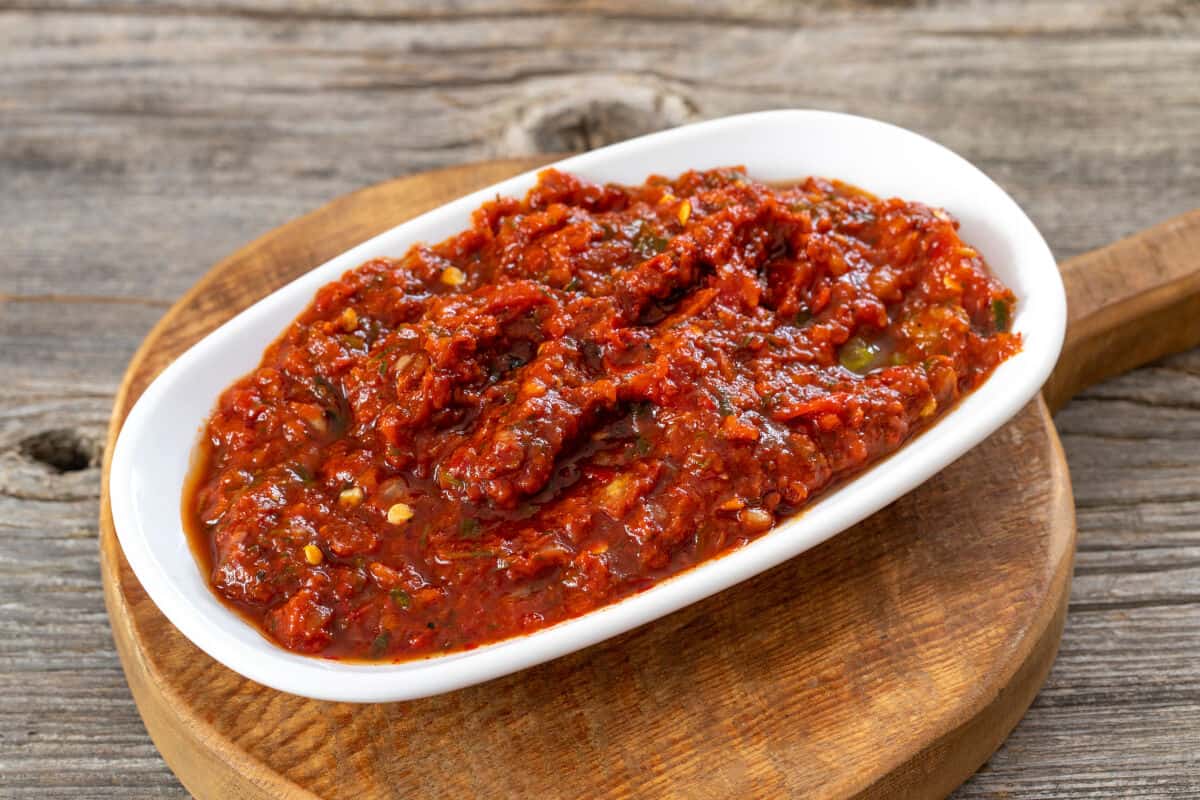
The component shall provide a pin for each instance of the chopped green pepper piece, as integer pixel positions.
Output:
(646, 244)
(858, 355)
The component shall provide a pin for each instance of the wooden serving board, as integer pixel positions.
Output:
(890, 661)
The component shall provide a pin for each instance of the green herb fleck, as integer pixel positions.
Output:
(573, 284)
(447, 479)
(723, 404)
(469, 528)
(643, 446)
(400, 598)
(380, 644)
(1000, 314)
(803, 317)
(653, 245)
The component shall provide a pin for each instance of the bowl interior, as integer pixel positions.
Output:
(152, 455)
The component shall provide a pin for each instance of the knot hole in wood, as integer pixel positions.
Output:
(62, 450)
(575, 118)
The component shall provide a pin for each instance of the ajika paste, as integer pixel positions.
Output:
(588, 391)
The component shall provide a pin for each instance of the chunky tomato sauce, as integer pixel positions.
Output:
(589, 390)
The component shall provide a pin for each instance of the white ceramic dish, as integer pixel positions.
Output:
(152, 453)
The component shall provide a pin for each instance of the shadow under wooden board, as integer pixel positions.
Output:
(890, 661)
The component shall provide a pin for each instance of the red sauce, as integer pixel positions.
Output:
(589, 390)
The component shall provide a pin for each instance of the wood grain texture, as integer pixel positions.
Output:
(1130, 303)
(142, 141)
(907, 647)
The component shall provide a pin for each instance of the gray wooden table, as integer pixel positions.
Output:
(141, 140)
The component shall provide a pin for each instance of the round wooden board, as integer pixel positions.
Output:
(889, 662)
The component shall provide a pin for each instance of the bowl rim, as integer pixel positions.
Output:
(267, 663)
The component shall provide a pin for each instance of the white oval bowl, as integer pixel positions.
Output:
(151, 459)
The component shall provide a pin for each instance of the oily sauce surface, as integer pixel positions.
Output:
(589, 390)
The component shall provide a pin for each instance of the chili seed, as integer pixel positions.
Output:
(399, 513)
(453, 276)
(756, 519)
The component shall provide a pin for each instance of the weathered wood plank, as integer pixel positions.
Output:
(186, 119)
(143, 140)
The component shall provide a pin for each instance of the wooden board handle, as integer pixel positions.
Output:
(1128, 304)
